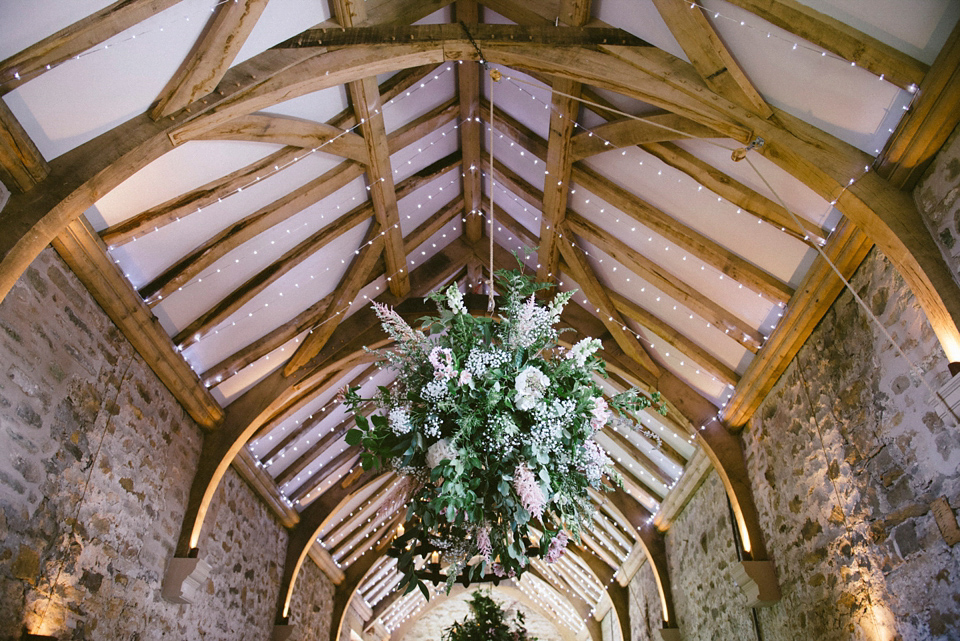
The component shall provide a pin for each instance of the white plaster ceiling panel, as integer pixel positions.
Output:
(678, 195)
(920, 34)
(847, 101)
(641, 19)
(424, 152)
(234, 386)
(519, 95)
(24, 22)
(318, 106)
(524, 213)
(430, 198)
(186, 167)
(151, 254)
(66, 106)
(277, 304)
(280, 20)
(516, 157)
(435, 89)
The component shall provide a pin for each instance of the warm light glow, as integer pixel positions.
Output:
(878, 622)
(400, 530)
(435, 557)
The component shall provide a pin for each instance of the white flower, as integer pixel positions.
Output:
(466, 378)
(583, 350)
(455, 300)
(400, 421)
(530, 384)
(439, 451)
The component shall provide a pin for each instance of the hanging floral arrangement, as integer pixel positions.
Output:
(491, 424)
(488, 622)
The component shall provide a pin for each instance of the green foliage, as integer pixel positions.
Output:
(487, 623)
(494, 423)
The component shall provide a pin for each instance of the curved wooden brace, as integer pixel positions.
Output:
(654, 548)
(619, 595)
(312, 521)
(889, 217)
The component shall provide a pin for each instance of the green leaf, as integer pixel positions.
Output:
(424, 590)
(361, 422)
(354, 437)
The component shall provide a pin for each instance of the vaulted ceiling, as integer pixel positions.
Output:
(257, 172)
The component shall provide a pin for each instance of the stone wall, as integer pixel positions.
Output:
(700, 557)
(646, 612)
(97, 460)
(846, 455)
(938, 198)
(311, 606)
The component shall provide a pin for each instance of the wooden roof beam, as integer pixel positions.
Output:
(286, 130)
(623, 132)
(563, 117)
(369, 111)
(22, 166)
(709, 56)
(360, 269)
(932, 117)
(349, 457)
(87, 257)
(247, 228)
(210, 57)
(841, 39)
(471, 127)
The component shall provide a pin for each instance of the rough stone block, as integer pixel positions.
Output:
(670, 634)
(282, 632)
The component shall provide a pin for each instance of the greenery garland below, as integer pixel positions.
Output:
(488, 623)
(490, 424)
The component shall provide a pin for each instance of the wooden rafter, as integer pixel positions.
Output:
(308, 490)
(87, 256)
(22, 166)
(563, 117)
(628, 132)
(839, 38)
(932, 117)
(353, 280)
(246, 228)
(287, 130)
(369, 111)
(211, 56)
(471, 129)
(709, 56)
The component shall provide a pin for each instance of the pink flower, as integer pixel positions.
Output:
(442, 360)
(557, 547)
(483, 542)
(529, 491)
(599, 414)
(466, 378)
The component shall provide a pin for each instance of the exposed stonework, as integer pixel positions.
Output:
(311, 606)
(846, 455)
(938, 198)
(700, 555)
(98, 459)
(646, 612)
